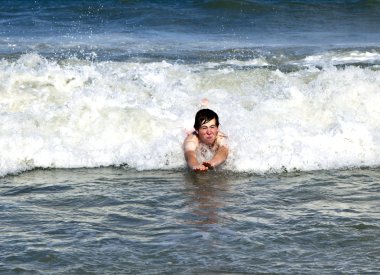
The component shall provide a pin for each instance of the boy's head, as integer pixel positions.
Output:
(203, 116)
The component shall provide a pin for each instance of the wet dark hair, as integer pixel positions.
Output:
(203, 116)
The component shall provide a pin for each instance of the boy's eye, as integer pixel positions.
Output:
(211, 127)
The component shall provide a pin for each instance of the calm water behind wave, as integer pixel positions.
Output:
(112, 220)
(171, 30)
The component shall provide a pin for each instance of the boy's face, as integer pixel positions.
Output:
(208, 132)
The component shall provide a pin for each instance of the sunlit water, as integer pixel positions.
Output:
(115, 220)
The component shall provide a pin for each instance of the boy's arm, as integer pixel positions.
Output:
(191, 160)
(220, 156)
(190, 145)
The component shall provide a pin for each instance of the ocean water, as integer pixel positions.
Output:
(96, 98)
(122, 221)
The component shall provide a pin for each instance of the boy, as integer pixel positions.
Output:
(206, 147)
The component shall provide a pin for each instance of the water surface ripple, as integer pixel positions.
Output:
(114, 220)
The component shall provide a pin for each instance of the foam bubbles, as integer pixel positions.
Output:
(81, 114)
(343, 57)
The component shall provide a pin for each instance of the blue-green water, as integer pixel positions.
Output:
(119, 221)
(182, 30)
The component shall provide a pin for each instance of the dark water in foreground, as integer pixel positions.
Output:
(117, 221)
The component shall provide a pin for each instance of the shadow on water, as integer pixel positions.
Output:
(205, 193)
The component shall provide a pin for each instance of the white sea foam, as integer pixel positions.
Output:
(81, 114)
(342, 57)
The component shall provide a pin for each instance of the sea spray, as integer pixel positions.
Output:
(77, 113)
